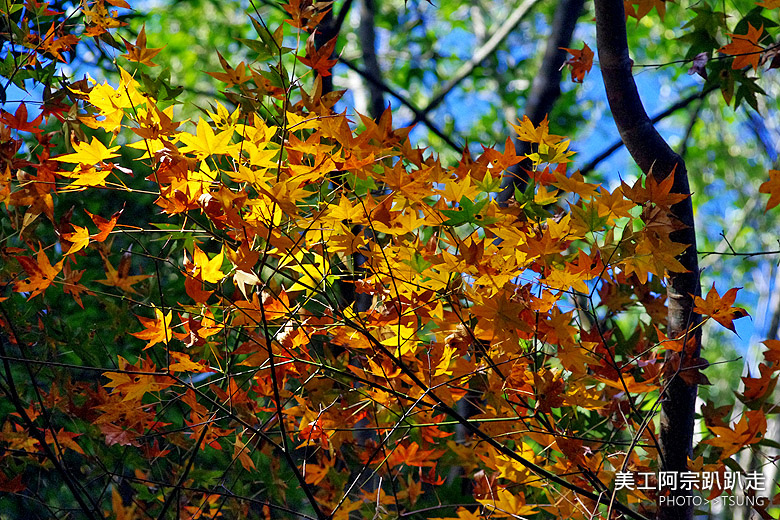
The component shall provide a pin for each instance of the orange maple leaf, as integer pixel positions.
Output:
(319, 59)
(580, 62)
(745, 48)
(136, 380)
(156, 330)
(41, 273)
(306, 14)
(772, 187)
(749, 430)
(658, 193)
(138, 52)
(757, 387)
(231, 76)
(61, 440)
(412, 455)
(120, 277)
(105, 226)
(773, 354)
(720, 308)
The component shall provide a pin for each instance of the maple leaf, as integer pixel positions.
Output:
(581, 62)
(645, 6)
(204, 269)
(319, 59)
(138, 52)
(758, 387)
(117, 435)
(19, 121)
(306, 14)
(745, 48)
(79, 239)
(156, 330)
(41, 273)
(508, 504)
(86, 176)
(720, 308)
(206, 142)
(70, 284)
(120, 277)
(12, 485)
(658, 193)
(526, 131)
(63, 439)
(749, 430)
(135, 381)
(183, 363)
(91, 153)
(698, 65)
(241, 452)
(773, 354)
(231, 76)
(54, 45)
(411, 455)
(243, 279)
(772, 187)
(105, 226)
(118, 508)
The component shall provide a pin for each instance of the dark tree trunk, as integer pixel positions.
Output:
(367, 36)
(654, 156)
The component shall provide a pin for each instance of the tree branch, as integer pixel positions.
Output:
(671, 109)
(480, 55)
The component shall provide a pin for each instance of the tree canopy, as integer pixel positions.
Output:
(231, 288)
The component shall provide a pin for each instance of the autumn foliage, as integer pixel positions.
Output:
(282, 310)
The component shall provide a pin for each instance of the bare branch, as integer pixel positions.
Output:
(490, 46)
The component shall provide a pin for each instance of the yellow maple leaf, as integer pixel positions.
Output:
(206, 142)
(79, 239)
(526, 131)
(508, 504)
(204, 269)
(85, 176)
(89, 153)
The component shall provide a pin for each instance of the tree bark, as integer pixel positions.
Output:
(654, 156)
